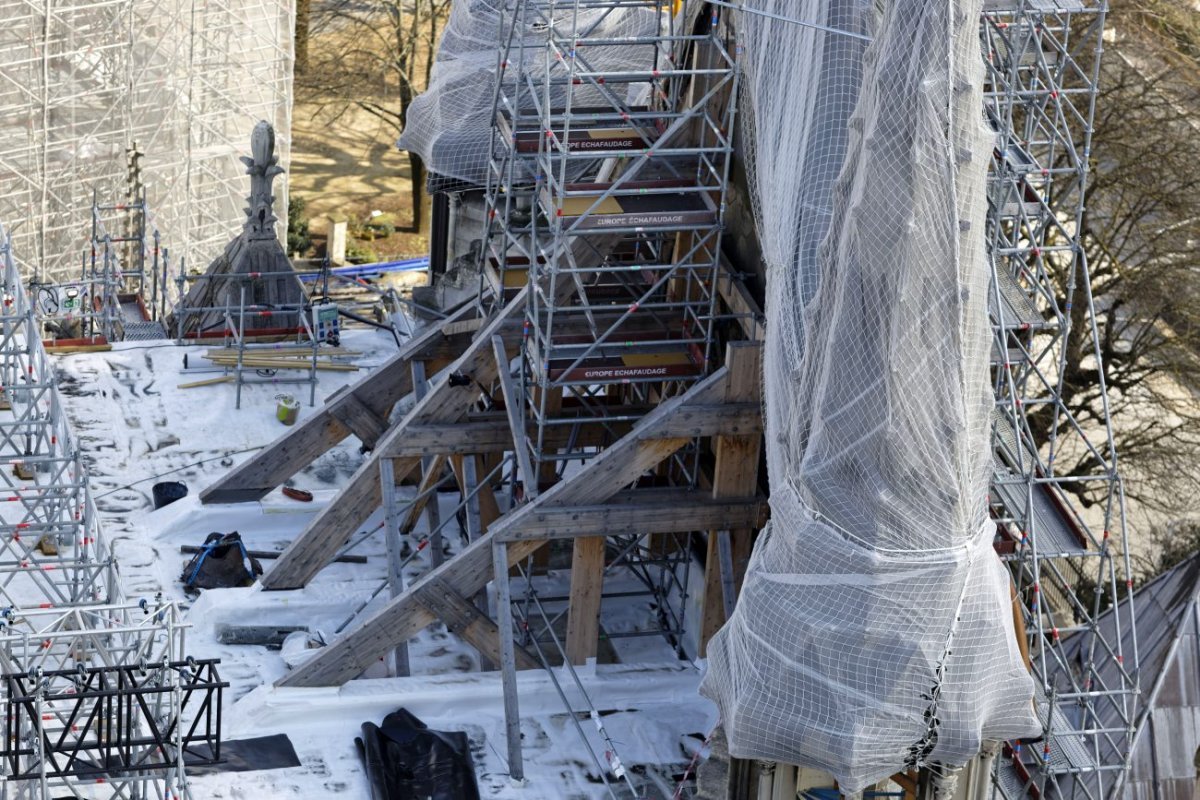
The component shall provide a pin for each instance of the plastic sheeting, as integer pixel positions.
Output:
(404, 759)
(873, 632)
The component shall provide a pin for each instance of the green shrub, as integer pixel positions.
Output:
(358, 253)
(298, 239)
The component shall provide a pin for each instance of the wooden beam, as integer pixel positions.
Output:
(425, 494)
(465, 620)
(468, 572)
(587, 584)
(494, 435)
(674, 511)
(737, 299)
(318, 432)
(360, 418)
(735, 474)
(516, 419)
(447, 401)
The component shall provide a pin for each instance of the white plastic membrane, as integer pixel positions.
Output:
(874, 629)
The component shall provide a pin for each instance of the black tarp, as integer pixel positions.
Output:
(244, 755)
(406, 760)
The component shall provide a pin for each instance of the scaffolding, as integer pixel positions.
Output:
(605, 194)
(51, 548)
(598, 385)
(1068, 567)
(82, 82)
(99, 697)
(102, 699)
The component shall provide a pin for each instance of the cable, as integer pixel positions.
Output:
(177, 469)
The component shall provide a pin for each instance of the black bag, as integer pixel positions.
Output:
(406, 760)
(223, 563)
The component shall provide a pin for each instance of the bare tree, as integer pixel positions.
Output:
(375, 55)
(1140, 232)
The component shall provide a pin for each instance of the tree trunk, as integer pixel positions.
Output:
(417, 170)
(301, 38)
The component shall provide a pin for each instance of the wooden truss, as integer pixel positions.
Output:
(595, 502)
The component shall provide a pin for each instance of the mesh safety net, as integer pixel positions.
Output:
(874, 628)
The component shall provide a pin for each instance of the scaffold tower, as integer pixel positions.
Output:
(1068, 565)
(81, 83)
(606, 197)
(51, 549)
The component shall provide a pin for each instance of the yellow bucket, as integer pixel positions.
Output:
(287, 408)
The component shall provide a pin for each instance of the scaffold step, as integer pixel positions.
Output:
(144, 331)
(631, 353)
(592, 129)
(1015, 453)
(1002, 356)
(1069, 749)
(633, 206)
(1016, 310)
(1012, 785)
(1037, 513)
(1018, 160)
(1014, 210)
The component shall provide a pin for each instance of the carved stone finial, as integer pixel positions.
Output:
(262, 167)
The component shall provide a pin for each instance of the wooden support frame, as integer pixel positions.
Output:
(446, 402)
(587, 588)
(599, 480)
(377, 392)
(735, 474)
(492, 433)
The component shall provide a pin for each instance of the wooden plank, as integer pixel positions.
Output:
(456, 438)
(316, 433)
(468, 572)
(67, 349)
(735, 474)
(587, 584)
(207, 382)
(448, 401)
(279, 363)
(494, 435)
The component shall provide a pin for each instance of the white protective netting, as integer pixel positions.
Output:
(450, 124)
(874, 629)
